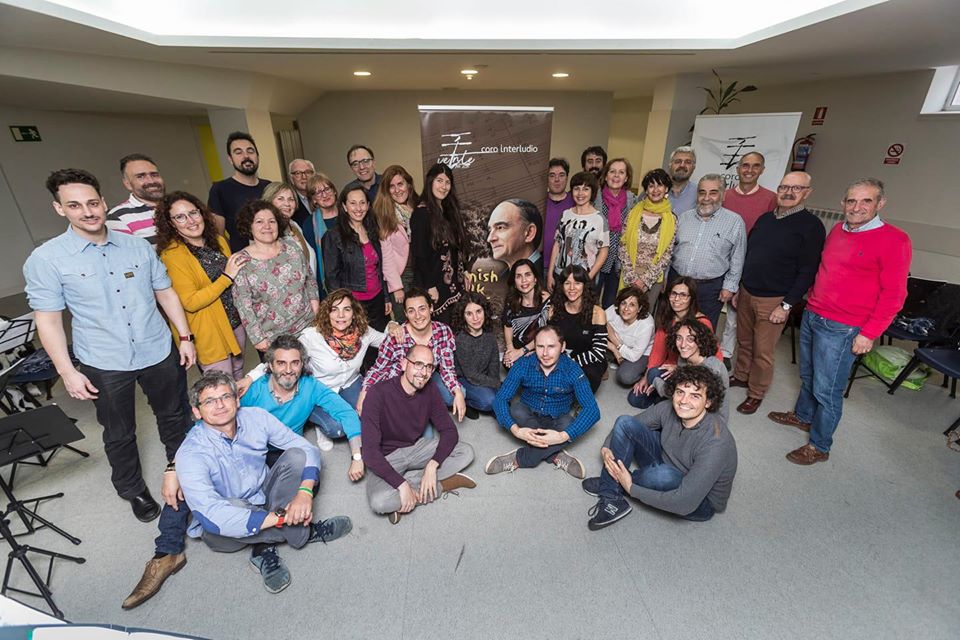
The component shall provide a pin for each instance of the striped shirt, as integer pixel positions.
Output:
(710, 248)
(551, 395)
(134, 218)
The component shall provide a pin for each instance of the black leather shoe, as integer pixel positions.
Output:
(145, 507)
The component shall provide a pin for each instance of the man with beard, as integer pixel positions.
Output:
(300, 171)
(683, 195)
(710, 246)
(228, 196)
(134, 216)
(593, 159)
(362, 163)
(783, 254)
(407, 467)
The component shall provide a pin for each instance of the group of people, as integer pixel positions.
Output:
(359, 305)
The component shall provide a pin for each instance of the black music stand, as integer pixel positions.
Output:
(24, 435)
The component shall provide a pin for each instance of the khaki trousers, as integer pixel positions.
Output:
(756, 341)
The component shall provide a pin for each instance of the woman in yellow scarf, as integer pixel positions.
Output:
(648, 241)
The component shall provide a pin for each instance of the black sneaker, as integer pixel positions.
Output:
(472, 414)
(591, 486)
(330, 529)
(276, 576)
(607, 511)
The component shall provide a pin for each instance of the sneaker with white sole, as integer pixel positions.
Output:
(499, 464)
(276, 576)
(571, 465)
(330, 529)
(607, 511)
(323, 442)
(591, 486)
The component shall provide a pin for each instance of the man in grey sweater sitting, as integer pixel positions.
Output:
(686, 457)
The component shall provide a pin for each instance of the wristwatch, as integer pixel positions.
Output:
(357, 457)
(785, 306)
(188, 338)
(281, 513)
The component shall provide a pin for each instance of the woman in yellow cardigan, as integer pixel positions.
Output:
(202, 270)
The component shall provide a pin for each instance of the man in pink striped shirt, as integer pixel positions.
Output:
(860, 286)
(134, 216)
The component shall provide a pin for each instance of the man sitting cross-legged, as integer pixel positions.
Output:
(686, 457)
(235, 499)
(408, 469)
(542, 415)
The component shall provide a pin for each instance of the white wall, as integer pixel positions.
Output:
(388, 122)
(628, 130)
(865, 115)
(95, 142)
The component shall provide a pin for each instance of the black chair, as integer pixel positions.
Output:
(946, 360)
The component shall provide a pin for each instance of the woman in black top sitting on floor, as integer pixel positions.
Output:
(524, 310)
(583, 324)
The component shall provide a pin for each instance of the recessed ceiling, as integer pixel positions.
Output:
(427, 24)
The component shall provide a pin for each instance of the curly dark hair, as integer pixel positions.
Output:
(60, 177)
(656, 176)
(643, 305)
(588, 301)
(702, 378)
(458, 322)
(167, 233)
(514, 299)
(703, 336)
(322, 321)
(665, 316)
(249, 211)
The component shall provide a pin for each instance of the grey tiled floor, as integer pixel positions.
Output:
(863, 546)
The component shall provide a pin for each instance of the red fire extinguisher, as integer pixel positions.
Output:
(802, 149)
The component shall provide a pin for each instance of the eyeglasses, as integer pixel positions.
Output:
(426, 367)
(361, 163)
(795, 188)
(180, 218)
(324, 191)
(209, 402)
(301, 174)
(680, 295)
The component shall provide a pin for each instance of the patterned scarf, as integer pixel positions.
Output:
(615, 207)
(345, 344)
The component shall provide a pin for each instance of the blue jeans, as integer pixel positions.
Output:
(644, 401)
(632, 441)
(826, 357)
(477, 396)
(173, 529)
(610, 282)
(528, 456)
(325, 422)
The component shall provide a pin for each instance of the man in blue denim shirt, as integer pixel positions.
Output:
(111, 283)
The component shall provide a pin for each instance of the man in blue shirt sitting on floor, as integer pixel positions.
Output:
(542, 415)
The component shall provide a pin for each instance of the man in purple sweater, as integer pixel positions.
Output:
(406, 468)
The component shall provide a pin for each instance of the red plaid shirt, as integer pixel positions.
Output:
(389, 362)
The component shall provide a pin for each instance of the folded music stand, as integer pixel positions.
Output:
(25, 435)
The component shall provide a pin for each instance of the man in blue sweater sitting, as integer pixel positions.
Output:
(542, 415)
(686, 457)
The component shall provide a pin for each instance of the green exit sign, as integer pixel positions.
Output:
(27, 133)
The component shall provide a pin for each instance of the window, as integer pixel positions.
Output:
(943, 96)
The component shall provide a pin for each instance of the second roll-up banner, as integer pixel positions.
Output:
(497, 154)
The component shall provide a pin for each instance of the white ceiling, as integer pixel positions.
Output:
(892, 36)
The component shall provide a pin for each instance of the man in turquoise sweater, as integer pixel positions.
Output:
(860, 286)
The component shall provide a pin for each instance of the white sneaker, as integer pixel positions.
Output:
(323, 442)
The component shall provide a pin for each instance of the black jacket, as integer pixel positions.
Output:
(343, 263)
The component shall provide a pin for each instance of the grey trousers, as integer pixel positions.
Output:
(280, 487)
(410, 462)
(629, 373)
(728, 341)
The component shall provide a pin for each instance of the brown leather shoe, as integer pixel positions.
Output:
(737, 382)
(749, 406)
(394, 517)
(807, 455)
(457, 481)
(790, 419)
(154, 575)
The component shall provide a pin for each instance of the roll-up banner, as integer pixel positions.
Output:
(496, 154)
(720, 142)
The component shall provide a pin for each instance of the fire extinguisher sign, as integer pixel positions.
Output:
(894, 152)
(819, 115)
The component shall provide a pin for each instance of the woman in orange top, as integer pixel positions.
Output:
(202, 270)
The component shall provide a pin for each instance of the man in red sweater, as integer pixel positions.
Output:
(750, 201)
(860, 287)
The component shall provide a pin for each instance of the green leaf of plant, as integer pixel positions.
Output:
(730, 90)
(749, 87)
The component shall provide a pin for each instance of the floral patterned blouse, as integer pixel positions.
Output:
(273, 296)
